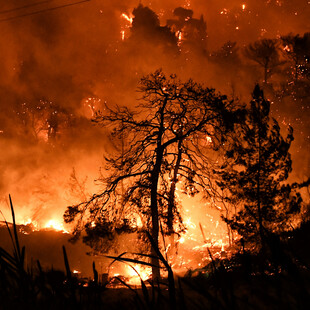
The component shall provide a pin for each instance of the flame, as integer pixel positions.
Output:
(209, 139)
(128, 18)
(179, 36)
(139, 272)
(139, 222)
(55, 224)
(188, 3)
(181, 240)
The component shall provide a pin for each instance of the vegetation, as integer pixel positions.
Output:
(173, 140)
(265, 53)
(255, 176)
(167, 139)
(245, 281)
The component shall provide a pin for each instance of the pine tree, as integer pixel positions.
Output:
(255, 175)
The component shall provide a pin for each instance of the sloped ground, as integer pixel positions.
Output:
(246, 281)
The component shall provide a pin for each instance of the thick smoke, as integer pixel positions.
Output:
(60, 66)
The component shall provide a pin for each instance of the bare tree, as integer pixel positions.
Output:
(168, 138)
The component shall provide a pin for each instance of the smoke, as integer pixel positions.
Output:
(61, 65)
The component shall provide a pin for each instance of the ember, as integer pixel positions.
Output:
(168, 140)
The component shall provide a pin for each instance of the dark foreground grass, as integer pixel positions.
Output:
(246, 281)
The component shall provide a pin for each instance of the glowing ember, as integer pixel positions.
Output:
(224, 12)
(42, 121)
(188, 3)
(123, 35)
(179, 36)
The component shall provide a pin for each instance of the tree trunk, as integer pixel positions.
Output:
(266, 74)
(154, 214)
(154, 188)
(155, 225)
(171, 201)
(259, 211)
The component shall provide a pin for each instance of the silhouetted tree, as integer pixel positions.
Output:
(297, 71)
(167, 138)
(192, 32)
(265, 53)
(146, 28)
(255, 175)
(297, 48)
(227, 57)
(40, 119)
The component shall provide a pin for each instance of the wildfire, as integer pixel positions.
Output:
(179, 36)
(129, 20)
(93, 104)
(56, 225)
(188, 3)
(190, 251)
(136, 273)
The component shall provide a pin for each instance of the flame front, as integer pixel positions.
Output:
(136, 273)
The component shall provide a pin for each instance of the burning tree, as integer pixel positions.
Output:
(297, 72)
(167, 139)
(255, 175)
(297, 50)
(146, 29)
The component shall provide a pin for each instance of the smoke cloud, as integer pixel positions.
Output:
(61, 65)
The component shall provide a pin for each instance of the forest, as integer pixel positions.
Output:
(156, 156)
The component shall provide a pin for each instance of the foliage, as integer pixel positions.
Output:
(227, 55)
(296, 73)
(167, 139)
(146, 29)
(192, 32)
(22, 287)
(255, 175)
(297, 50)
(265, 53)
(243, 281)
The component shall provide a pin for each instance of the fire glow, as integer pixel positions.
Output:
(203, 230)
(189, 248)
(128, 23)
(56, 225)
